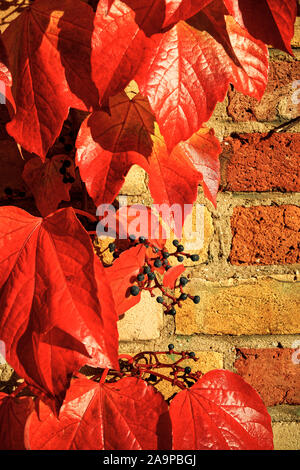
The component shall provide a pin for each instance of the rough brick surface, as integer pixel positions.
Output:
(249, 307)
(272, 372)
(286, 436)
(277, 100)
(256, 162)
(265, 235)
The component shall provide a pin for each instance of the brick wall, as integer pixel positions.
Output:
(248, 319)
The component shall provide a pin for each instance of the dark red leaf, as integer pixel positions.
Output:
(122, 275)
(46, 182)
(107, 145)
(117, 48)
(56, 306)
(13, 416)
(154, 16)
(172, 275)
(49, 51)
(187, 70)
(220, 412)
(271, 21)
(126, 415)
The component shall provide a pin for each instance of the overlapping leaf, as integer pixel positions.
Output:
(271, 21)
(14, 412)
(49, 53)
(220, 412)
(187, 70)
(56, 306)
(126, 415)
(117, 48)
(107, 146)
(46, 182)
(157, 15)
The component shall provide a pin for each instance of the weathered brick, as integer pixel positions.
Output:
(277, 99)
(264, 306)
(134, 184)
(273, 373)
(286, 436)
(256, 162)
(144, 321)
(265, 235)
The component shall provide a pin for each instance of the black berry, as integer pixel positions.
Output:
(65, 180)
(187, 370)
(71, 179)
(165, 254)
(151, 276)
(195, 257)
(183, 296)
(147, 269)
(171, 347)
(180, 258)
(183, 281)
(172, 311)
(192, 354)
(140, 277)
(152, 378)
(180, 248)
(62, 170)
(68, 147)
(134, 290)
(116, 255)
(160, 299)
(196, 299)
(175, 242)
(8, 191)
(66, 163)
(157, 263)
(132, 238)
(111, 247)
(142, 239)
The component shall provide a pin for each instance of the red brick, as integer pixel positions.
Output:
(281, 76)
(265, 235)
(273, 374)
(256, 162)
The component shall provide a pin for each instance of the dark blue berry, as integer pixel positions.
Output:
(147, 269)
(157, 263)
(183, 281)
(8, 191)
(172, 311)
(63, 170)
(66, 163)
(180, 248)
(142, 239)
(171, 347)
(195, 257)
(111, 247)
(132, 238)
(192, 354)
(151, 276)
(196, 299)
(134, 290)
(187, 370)
(140, 277)
(180, 258)
(183, 296)
(160, 299)
(168, 267)
(165, 254)
(175, 242)
(116, 255)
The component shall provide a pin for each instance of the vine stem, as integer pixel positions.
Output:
(93, 218)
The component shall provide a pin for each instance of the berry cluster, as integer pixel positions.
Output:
(149, 280)
(152, 367)
(67, 178)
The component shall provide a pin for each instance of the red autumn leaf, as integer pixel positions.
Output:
(271, 21)
(107, 145)
(122, 275)
(126, 415)
(46, 182)
(172, 275)
(154, 16)
(117, 48)
(14, 412)
(56, 312)
(187, 70)
(220, 412)
(49, 49)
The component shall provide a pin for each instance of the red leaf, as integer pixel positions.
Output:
(117, 48)
(220, 412)
(271, 21)
(46, 182)
(126, 415)
(49, 48)
(122, 275)
(156, 15)
(55, 314)
(172, 275)
(187, 70)
(107, 145)
(13, 416)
